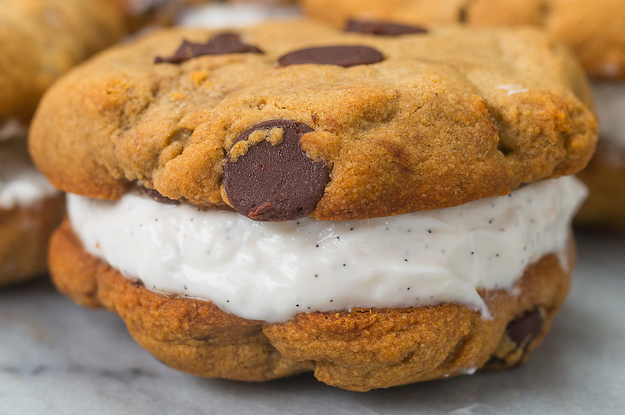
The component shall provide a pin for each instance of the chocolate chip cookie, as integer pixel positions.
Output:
(290, 197)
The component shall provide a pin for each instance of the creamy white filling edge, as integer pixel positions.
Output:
(21, 185)
(272, 271)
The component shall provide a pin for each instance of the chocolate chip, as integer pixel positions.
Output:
(157, 196)
(220, 44)
(275, 182)
(381, 28)
(525, 328)
(344, 56)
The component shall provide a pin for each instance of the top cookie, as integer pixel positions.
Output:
(294, 118)
(593, 28)
(42, 39)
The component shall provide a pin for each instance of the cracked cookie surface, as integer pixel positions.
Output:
(434, 120)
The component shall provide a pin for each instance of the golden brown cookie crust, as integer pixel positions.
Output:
(24, 235)
(605, 206)
(592, 28)
(436, 124)
(357, 350)
(42, 39)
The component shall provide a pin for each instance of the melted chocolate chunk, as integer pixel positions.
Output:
(275, 183)
(220, 44)
(344, 56)
(525, 328)
(157, 196)
(381, 28)
(137, 283)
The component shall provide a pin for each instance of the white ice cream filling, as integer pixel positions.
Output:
(272, 271)
(21, 185)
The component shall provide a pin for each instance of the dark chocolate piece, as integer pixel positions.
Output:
(275, 183)
(525, 328)
(381, 28)
(220, 44)
(157, 196)
(344, 56)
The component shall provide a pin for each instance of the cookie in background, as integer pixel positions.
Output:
(41, 40)
(592, 28)
(30, 209)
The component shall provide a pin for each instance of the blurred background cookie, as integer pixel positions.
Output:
(40, 41)
(30, 208)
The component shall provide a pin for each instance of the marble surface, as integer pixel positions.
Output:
(58, 358)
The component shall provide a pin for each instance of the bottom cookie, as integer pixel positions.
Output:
(359, 349)
(24, 235)
(604, 176)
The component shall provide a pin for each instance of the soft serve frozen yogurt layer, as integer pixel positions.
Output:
(20, 183)
(272, 271)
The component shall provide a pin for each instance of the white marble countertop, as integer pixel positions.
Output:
(59, 358)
